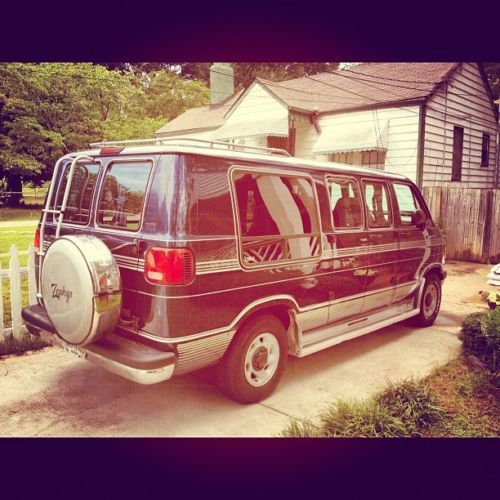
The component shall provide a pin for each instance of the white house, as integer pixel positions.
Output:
(434, 122)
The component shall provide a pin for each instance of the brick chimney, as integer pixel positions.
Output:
(221, 82)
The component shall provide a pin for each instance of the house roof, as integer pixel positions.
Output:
(364, 85)
(368, 84)
(206, 117)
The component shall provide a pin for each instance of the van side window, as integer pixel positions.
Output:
(80, 193)
(407, 203)
(278, 218)
(377, 204)
(122, 195)
(345, 202)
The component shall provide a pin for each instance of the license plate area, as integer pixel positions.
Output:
(77, 351)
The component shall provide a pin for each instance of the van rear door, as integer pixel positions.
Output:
(118, 218)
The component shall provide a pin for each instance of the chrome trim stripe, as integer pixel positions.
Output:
(203, 352)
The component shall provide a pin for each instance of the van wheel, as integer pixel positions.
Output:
(254, 362)
(430, 303)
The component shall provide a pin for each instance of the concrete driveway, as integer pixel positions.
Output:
(52, 393)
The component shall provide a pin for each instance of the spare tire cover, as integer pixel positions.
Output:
(81, 288)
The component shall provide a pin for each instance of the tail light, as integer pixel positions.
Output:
(169, 266)
(36, 241)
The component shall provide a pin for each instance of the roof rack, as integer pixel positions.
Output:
(199, 143)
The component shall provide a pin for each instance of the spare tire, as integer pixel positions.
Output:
(81, 288)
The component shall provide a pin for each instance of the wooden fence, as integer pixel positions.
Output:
(470, 220)
(13, 275)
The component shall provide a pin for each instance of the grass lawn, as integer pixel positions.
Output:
(21, 237)
(28, 213)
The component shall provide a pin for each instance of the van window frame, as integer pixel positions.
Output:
(356, 229)
(53, 202)
(387, 184)
(416, 199)
(145, 159)
(237, 168)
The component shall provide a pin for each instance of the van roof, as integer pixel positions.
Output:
(286, 161)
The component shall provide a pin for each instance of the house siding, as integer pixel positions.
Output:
(402, 139)
(305, 138)
(463, 102)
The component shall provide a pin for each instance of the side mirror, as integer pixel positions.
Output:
(419, 218)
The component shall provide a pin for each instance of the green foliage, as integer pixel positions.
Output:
(50, 109)
(361, 419)
(480, 336)
(492, 71)
(406, 409)
(299, 429)
(411, 401)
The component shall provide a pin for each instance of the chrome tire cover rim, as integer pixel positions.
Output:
(261, 360)
(430, 300)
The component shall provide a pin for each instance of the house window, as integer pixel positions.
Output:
(373, 158)
(485, 150)
(458, 142)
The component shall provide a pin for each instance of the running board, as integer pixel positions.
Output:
(323, 338)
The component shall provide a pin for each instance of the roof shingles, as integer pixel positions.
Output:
(367, 84)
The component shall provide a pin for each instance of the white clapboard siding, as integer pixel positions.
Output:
(463, 102)
(13, 274)
(402, 138)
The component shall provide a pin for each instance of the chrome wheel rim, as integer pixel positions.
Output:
(261, 360)
(430, 300)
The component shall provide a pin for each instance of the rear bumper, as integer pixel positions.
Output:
(132, 360)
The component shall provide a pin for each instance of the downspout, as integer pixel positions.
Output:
(495, 183)
(314, 121)
(421, 142)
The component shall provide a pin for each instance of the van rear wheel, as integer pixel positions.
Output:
(430, 303)
(254, 362)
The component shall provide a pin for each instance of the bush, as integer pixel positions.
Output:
(410, 401)
(11, 345)
(361, 419)
(301, 430)
(480, 336)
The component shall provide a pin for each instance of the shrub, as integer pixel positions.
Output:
(11, 345)
(361, 419)
(411, 401)
(490, 328)
(471, 335)
(480, 335)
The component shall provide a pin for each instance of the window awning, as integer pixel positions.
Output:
(352, 137)
(256, 127)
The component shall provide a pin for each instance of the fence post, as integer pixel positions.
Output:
(15, 292)
(2, 334)
(31, 275)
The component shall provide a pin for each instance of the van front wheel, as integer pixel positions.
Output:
(430, 303)
(254, 363)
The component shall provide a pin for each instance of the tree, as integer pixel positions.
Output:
(492, 71)
(50, 109)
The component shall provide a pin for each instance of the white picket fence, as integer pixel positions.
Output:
(13, 276)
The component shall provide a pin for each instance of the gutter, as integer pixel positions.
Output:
(421, 142)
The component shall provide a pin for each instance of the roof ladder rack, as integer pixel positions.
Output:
(57, 212)
(180, 141)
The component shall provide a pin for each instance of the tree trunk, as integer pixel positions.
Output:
(14, 189)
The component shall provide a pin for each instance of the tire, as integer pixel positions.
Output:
(255, 361)
(430, 303)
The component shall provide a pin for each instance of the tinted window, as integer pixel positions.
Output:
(345, 202)
(277, 217)
(407, 203)
(377, 204)
(80, 193)
(212, 212)
(122, 195)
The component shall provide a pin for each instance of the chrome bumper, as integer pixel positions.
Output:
(144, 376)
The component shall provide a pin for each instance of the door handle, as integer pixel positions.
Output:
(363, 240)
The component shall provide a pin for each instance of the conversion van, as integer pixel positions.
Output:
(160, 257)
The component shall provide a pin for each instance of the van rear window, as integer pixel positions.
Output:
(80, 193)
(122, 195)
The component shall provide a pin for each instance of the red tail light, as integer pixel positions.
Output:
(110, 150)
(36, 242)
(169, 266)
